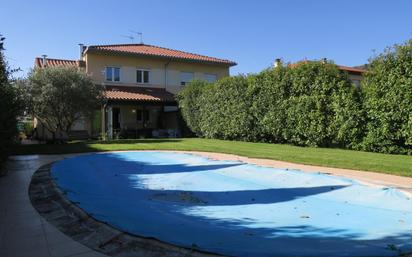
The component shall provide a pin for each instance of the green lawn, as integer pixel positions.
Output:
(385, 163)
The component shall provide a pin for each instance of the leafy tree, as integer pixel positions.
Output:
(10, 106)
(59, 96)
(388, 101)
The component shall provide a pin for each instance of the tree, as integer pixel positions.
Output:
(60, 96)
(388, 101)
(10, 106)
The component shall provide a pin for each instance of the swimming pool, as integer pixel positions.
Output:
(237, 209)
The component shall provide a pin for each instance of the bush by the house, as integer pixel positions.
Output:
(10, 106)
(388, 101)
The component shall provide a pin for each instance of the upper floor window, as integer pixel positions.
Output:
(113, 74)
(186, 77)
(210, 78)
(142, 76)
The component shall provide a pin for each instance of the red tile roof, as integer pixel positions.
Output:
(38, 62)
(155, 51)
(352, 70)
(146, 94)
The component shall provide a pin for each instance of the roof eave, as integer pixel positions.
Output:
(124, 53)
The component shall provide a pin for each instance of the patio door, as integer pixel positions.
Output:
(116, 118)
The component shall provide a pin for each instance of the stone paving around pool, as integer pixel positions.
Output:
(23, 232)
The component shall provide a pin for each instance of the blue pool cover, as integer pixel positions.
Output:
(237, 209)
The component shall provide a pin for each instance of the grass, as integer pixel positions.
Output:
(338, 158)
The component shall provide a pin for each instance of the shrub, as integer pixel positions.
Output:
(188, 99)
(269, 90)
(324, 107)
(388, 101)
(225, 110)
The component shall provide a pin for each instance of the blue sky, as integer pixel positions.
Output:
(252, 33)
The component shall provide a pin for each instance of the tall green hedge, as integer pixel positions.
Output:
(312, 104)
(189, 103)
(270, 89)
(388, 101)
(323, 107)
(225, 110)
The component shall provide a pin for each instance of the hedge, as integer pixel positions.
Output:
(312, 104)
(388, 101)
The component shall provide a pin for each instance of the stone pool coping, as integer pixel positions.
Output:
(50, 202)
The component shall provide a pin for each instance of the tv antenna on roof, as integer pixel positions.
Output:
(129, 37)
(140, 34)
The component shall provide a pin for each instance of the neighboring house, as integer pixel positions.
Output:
(355, 74)
(140, 83)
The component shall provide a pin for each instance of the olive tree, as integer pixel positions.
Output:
(60, 96)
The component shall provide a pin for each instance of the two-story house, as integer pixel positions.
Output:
(139, 83)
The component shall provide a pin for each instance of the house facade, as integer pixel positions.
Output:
(140, 82)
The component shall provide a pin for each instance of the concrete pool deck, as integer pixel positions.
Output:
(23, 232)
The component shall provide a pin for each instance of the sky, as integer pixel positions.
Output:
(251, 33)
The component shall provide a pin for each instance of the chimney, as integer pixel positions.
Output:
(44, 60)
(82, 47)
(277, 63)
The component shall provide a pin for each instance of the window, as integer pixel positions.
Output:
(186, 77)
(142, 115)
(112, 74)
(142, 76)
(211, 78)
(356, 82)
